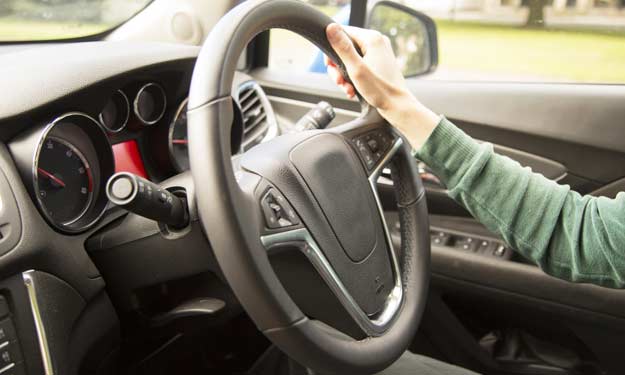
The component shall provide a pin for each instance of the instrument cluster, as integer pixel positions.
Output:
(66, 160)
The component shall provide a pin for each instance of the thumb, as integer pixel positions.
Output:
(343, 46)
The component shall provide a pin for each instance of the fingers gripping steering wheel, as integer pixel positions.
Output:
(324, 183)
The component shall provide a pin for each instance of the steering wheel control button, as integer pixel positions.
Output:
(365, 153)
(277, 211)
(372, 146)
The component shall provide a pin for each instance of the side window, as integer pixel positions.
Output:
(529, 40)
(290, 52)
(576, 41)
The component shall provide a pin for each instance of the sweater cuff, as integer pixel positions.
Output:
(448, 151)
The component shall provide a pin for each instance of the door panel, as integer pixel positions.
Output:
(573, 134)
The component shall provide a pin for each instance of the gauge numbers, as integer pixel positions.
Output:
(64, 184)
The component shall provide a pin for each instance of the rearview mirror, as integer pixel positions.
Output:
(412, 35)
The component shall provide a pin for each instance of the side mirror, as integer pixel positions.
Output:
(412, 34)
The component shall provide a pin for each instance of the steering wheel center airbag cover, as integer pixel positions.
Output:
(339, 184)
(327, 185)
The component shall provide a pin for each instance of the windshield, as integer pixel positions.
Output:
(37, 20)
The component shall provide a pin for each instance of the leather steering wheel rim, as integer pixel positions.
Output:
(225, 207)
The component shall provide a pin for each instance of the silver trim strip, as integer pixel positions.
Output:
(135, 103)
(375, 325)
(7, 368)
(46, 358)
(125, 122)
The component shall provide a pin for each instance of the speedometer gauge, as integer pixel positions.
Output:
(178, 142)
(64, 184)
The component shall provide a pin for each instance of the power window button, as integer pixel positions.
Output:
(500, 251)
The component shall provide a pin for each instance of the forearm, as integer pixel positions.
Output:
(407, 111)
(563, 232)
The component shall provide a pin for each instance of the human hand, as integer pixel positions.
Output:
(378, 78)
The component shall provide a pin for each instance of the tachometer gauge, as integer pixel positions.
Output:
(178, 142)
(63, 181)
(65, 164)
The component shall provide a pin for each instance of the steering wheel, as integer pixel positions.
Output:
(313, 192)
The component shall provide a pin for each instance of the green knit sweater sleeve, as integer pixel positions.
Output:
(573, 237)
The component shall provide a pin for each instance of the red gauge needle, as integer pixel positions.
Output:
(179, 141)
(51, 176)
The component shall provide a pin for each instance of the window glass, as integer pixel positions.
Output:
(500, 40)
(289, 51)
(35, 20)
(529, 40)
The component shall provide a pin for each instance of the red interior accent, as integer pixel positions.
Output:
(128, 158)
(90, 177)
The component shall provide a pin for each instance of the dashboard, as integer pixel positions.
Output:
(104, 107)
(136, 123)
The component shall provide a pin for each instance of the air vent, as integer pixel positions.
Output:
(259, 123)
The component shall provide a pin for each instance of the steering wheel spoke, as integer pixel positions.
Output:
(301, 239)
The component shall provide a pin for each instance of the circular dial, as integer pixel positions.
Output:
(115, 114)
(64, 184)
(178, 142)
(150, 103)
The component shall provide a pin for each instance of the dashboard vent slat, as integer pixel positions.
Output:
(258, 119)
(251, 103)
(245, 94)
